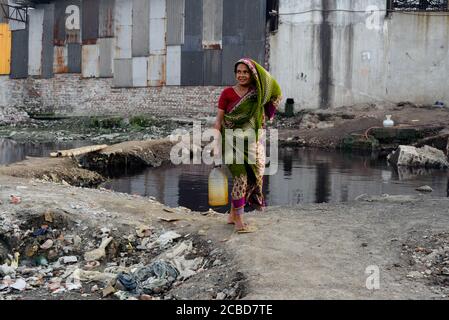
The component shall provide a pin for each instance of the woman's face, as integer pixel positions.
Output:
(243, 75)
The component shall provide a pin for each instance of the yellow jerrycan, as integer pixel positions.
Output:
(218, 187)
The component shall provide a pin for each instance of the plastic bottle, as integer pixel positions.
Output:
(388, 122)
(218, 187)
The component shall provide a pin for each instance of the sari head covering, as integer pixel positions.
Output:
(250, 109)
(248, 114)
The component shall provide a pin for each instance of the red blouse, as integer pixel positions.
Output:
(229, 98)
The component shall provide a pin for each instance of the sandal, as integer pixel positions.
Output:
(247, 229)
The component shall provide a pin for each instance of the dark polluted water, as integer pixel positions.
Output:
(12, 151)
(303, 176)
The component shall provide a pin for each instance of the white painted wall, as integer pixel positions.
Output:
(374, 59)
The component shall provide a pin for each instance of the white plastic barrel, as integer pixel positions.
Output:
(218, 188)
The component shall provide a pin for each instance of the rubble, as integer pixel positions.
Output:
(428, 260)
(51, 253)
(418, 157)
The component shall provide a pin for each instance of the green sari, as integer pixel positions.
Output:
(249, 115)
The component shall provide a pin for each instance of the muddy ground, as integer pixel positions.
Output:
(327, 129)
(314, 251)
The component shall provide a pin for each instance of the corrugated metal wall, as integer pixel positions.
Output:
(106, 41)
(212, 41)
(141, 25)
(47, 41)
(90, 63)
(140, 42)
(5, 49)
(90, 20)
(36, 23)
(175, 38)
(157, 40)
(19, 54)
(67, 22)
(191, 50)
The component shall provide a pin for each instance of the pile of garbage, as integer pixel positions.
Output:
(12, 116)
(53, 254)
(429, 260)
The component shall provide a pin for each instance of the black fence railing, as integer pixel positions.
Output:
(419, 5)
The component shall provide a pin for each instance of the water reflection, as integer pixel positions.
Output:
(304, 176)
(12, 151)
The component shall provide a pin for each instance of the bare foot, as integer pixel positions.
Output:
(238, 222)
(231, 217)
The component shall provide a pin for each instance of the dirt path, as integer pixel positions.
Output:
(303, 252)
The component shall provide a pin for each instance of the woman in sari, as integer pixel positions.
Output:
(246, 106)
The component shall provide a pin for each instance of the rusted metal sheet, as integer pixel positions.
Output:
(36, 23)
(90, 61)
(67, 22)
(192, 68)
(74, 57)
(13, 24)
(254, 28)
(5, 49)
(59, 27)
(123, 29)
(174, 65)
(47, 41)
(193, 26)
(60, 63)
(235, 20)
(140, 33)
(175, 22)
(139, 68)
(123, 74)
(123, 48)
(242, 36)
(230, 55)
(19, 54)
(157, 70)
(157, 27)
(212, 23)
(106, 60)
(212, 67)
(106, 18)
(90, 21)
(123, 12)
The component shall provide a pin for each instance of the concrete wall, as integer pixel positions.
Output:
(326, 59)
(67, 94)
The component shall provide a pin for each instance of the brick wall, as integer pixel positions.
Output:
(68, 94)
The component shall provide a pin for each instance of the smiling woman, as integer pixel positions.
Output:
(245, 106)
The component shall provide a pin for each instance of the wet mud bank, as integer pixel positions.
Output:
(360, 128)
(93, 168)
(130, 155)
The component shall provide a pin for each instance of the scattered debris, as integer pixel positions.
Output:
(424, 189)
(15, 199)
